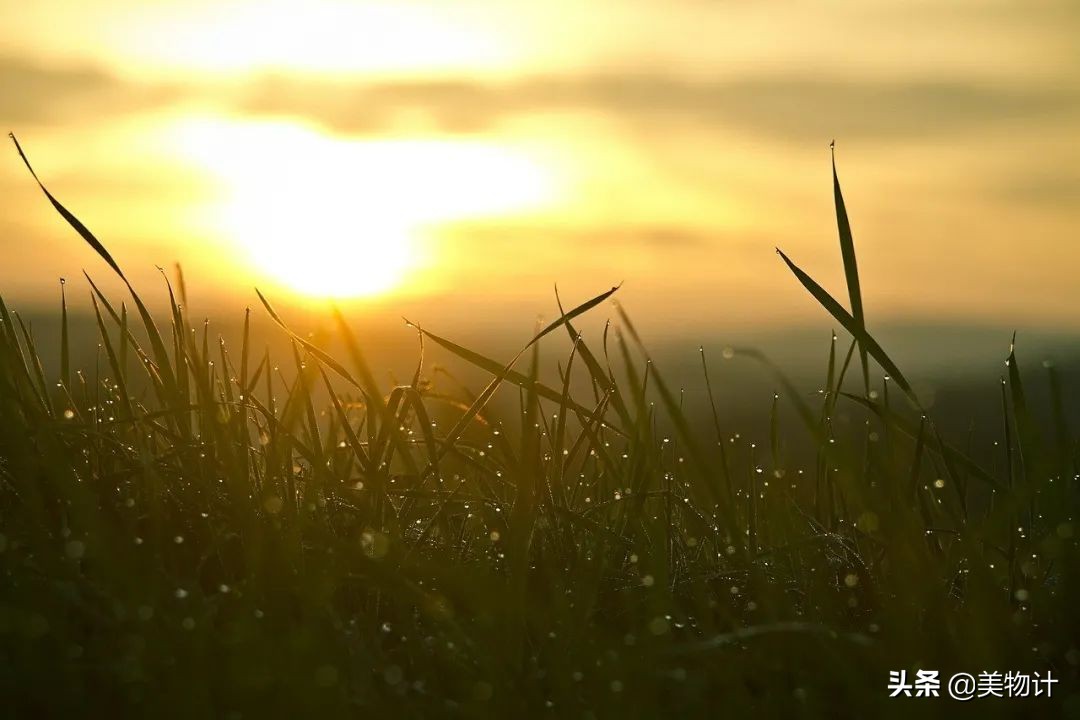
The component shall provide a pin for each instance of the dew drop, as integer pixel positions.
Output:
(75, 549)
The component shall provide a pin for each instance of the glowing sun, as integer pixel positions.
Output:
(337, 217)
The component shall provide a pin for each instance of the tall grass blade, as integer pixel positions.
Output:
(71, 219)
(855, 328)
(851, 268)
(65, 343)
(161, 356)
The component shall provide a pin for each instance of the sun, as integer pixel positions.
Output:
(335, 217)
(306, 220)
(319, 250)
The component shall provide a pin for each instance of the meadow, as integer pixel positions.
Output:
(190, 529)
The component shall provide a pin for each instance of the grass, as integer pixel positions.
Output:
(191, 531)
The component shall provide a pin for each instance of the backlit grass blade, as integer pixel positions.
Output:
(512, 376)
(160, 355)
(559, 439)
(502, 374)
(114, 362)
(567, 317)
(354, 442)
(601, 378)
(1025, 426)
(851, 267)
(1032, 455)
(948, 452)
(35, 363)
(413, 396)
(72, 220)
(792, 392)
(65, 344)
(672, 406)
(855, 328)
(716, 426)
(314, 350)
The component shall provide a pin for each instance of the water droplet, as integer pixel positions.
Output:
(374, 544)
(393, 675)
(75, 549)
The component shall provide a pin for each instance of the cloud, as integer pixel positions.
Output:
(654, 236)
(788, 108)
(40, 94)
(784, 107)
(1056, 188)
(508, 237)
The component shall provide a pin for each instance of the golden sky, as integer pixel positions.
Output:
(470, 154)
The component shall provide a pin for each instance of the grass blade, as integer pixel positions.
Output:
(851, 268)
(855, 328)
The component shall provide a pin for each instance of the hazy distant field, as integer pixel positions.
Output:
(200, 527)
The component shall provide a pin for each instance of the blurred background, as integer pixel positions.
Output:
(451, 162)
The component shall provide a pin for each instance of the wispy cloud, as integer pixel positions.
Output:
(38, 93)
(780, 107)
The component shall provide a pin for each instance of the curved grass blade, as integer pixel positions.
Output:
(855, 328)
(459, 428)
(66, 214)
(948, 452)
(160, 354)
(350, 435)
(317, 352)
(599, 376)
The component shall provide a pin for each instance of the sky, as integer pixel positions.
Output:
(459, 159)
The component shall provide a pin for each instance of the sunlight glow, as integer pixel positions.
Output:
(333, 217)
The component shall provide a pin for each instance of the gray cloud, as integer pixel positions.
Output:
(486, 235)
(1049, 188)
(38, 94)
(801, 109)
(792, 108)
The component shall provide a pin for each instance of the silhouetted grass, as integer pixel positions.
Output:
(192, 531)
